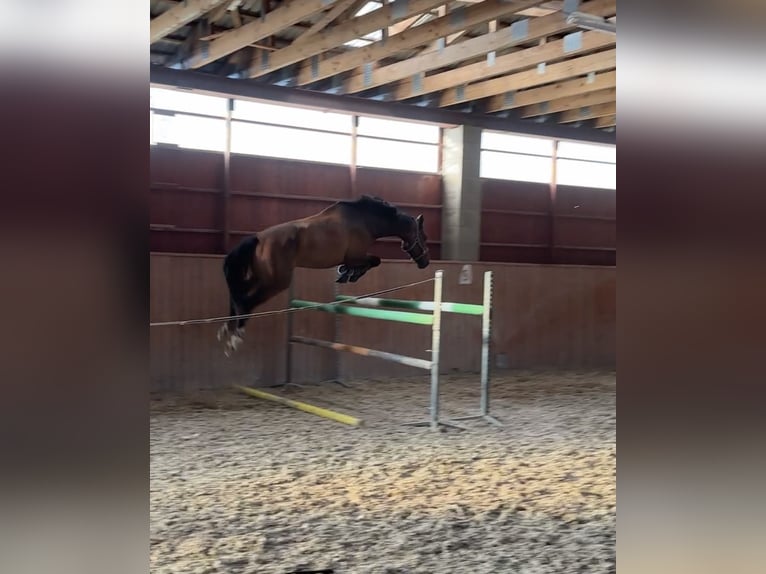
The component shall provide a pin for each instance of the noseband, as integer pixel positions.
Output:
(417, 243)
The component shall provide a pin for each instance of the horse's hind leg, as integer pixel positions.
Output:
(230, 325)
(236, 328)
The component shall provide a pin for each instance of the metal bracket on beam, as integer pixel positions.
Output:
(572, 42)
(460, 92)
(508, 98)
(314, 67)
(440, 44)
(417, 83)
(584, 111)
(457, 17)
(265, 55)
(541, 68)
(520, 29)
(544, 107)
(570, 6)
(399, 9)
(367, 74)
(590, 78)
(491, 58)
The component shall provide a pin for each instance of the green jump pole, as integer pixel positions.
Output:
(459, 308)
(384, 314)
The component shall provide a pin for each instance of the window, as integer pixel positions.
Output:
(396, 144)
(187, 131)
(371, 152)
(175, 125)
(190, 102)
(499, 165)
(290, 143)
(586, 165)
(291, 116)
(514, 143)
(398, 130)
(516, 157)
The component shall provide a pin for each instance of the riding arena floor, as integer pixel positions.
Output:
(243, 485)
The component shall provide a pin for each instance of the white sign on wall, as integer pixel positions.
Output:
(466, 275)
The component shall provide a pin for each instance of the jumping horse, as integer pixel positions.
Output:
(262, 265)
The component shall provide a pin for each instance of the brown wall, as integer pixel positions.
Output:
(520, 222)
(543, 316)
(189, 212)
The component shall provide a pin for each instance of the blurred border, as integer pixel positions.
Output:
(73, 240)
(691, 156)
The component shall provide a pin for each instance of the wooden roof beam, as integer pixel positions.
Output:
(570, 103)
(549, 53)
(179, 16)
(588, 113)
(456, 20)
(584, 85)
(327, 18)
(520, 33)
(598, 62)
(286, 15)
(338, 35)
(606, 121)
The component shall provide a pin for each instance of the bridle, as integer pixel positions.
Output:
(415, 244)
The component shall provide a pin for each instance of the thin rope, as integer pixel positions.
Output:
(281, 311)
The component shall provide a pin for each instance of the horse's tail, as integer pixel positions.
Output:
(236, 266)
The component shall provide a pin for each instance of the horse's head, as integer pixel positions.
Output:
(415, 243)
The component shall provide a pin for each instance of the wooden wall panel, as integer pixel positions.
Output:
(512, 254)
(400, 187)
(543, 316)
(579, 229)
(169, 241)
(513, 228)
(286, 177)
(189, 209)
(517, 195)
(586, 201)
(185, 167)
(250, 213)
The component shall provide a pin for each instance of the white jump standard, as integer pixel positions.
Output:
(389, 310)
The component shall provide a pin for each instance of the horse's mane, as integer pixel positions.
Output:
(374, 206)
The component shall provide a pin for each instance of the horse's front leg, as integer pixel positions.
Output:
(353, 271)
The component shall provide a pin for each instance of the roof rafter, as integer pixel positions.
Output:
(597, 62)
(350, 30)
(590, 83)
(459, 19)
(514, 35)
(606, 121)
(327, 18)
(570, 103)
(179, 16)
(286, 15)
(588, 113)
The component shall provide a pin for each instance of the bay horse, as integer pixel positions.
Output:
(262, 265)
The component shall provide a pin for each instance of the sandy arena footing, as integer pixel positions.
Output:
(241, 485)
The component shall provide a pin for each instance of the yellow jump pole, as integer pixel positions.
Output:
(318, 411)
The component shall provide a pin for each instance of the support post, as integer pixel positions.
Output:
(289, 350)
(485, 340)
(435, 346)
